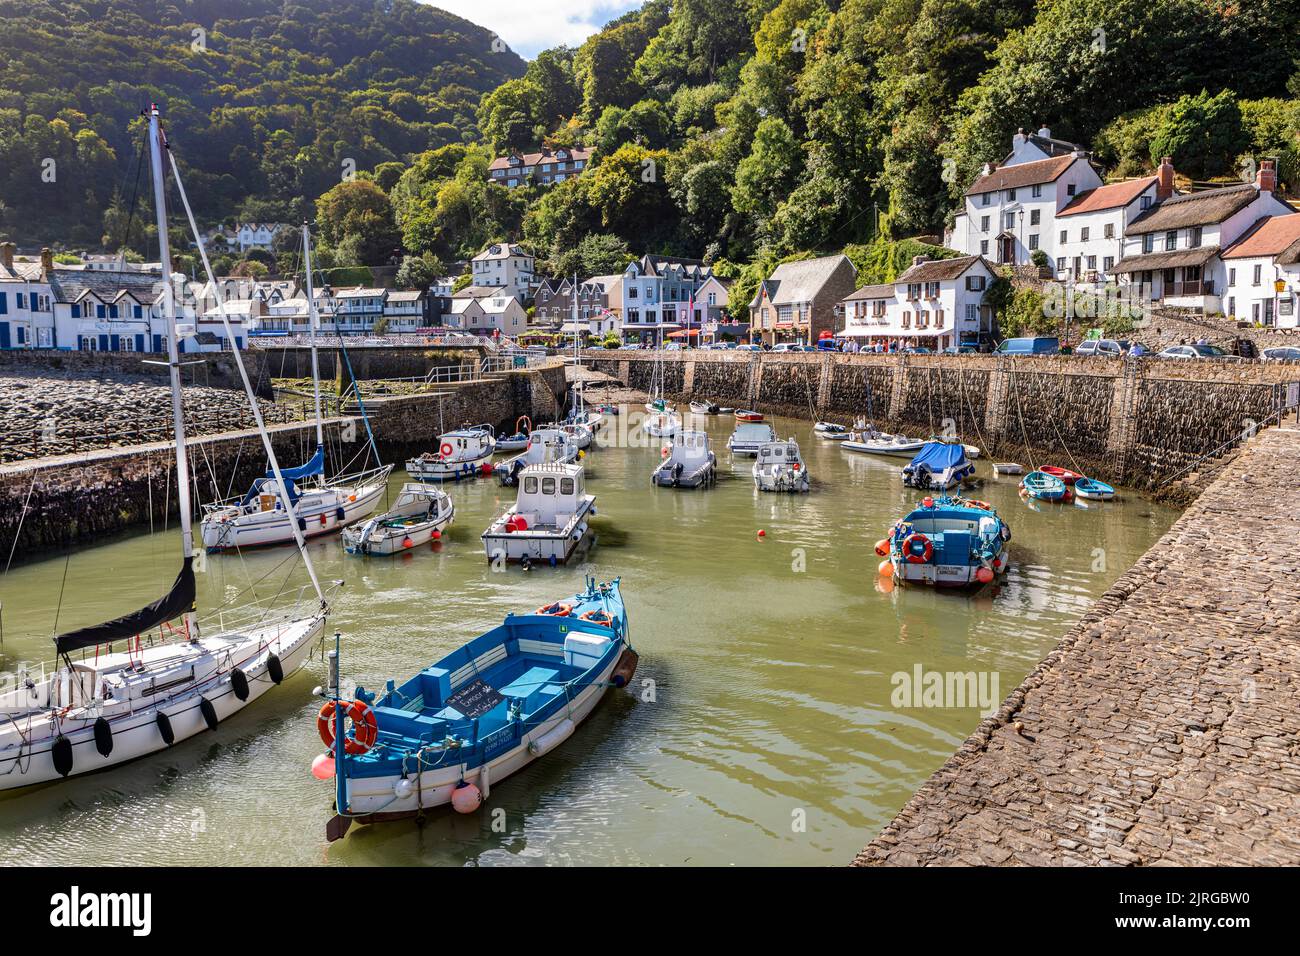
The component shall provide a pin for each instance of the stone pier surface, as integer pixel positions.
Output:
(1163, 729)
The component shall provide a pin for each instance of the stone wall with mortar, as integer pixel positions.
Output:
(53, 503)
(1135, 422)
(211, 369)
(368, 362)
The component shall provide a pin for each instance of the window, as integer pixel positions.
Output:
(984, 223)
(1107, 263)
(1232, 277)
(566, 486)
(4, 303)
(1194, 239)
(1149, 242)
(972, 312)
(986, 199)
(1009, 220)
(1255, 275)
(1065, 236)
(975, 283)
(1038, 191)
(932, 290)
(1011, 195)
(1033, 241)
(1171, 240)
(1034, 214)
(1092, 263)
(938, 319)
(1083, 234)
(22, 300)
(530, 486)
(984, 247)
(1060, 263)
(907, 319)
(913, 291)
(1069, 190)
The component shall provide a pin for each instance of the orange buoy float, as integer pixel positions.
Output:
(437, 536)
(927, 502)
(885, 569)
(322, 768)
(762, 533)
(365, 729)
(882, 547)
(984, 575)
(466, 798)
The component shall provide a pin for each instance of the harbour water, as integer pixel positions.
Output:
(764, 725)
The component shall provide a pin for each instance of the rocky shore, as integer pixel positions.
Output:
(44, 415)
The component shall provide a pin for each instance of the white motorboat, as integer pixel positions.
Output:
(581, 435)
(548, 520)
(662, 424)
(749, 437)
(871, 442)
(704, 408)
(419, 515)
(938, 466)
(545, 445)
(825, 429)
(688, 462)
(165, 682)
(519, 440)
(461, 454)
(779, 467)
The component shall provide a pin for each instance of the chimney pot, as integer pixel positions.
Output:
(1165, 179)
(1266, 178)
(47, 262)
(917, 260)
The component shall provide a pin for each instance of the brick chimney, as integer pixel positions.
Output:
(917, 260)
(1164, 178)
(1266, 178)
(47, 262)
(7, 254)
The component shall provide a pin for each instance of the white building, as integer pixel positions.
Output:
(1091, 227)
(504, 265)
(500, 314)
(936, 304)
(1010, 209)
(657, 293)
(256, 235)
(1171, 252)
(1263, 273)
(404, 311)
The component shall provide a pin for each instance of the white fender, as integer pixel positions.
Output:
(484, 783)
(552, 738)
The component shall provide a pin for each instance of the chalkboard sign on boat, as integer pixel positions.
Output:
(475, 699)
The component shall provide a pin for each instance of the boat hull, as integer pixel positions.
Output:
(137, 733)
(394, 540)
(704, 475)
(942, 575)
(318, 513)
(371, 799)
(908, 450)
(436, 469)
(788, 481)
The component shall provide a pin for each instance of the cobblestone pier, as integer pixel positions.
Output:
(1164, 729)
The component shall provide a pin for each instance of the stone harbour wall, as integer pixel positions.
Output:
(1135, 422)
(368, 362)
(1162, 729)
(209, 369)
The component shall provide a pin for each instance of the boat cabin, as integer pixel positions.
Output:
(957, 532)
(466, 444)
(779, 453)
(550, 494)
(690, 448)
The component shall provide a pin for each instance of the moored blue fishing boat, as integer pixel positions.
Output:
(476, 716)
(1043, 486)
(1093, 490)
(948, 542)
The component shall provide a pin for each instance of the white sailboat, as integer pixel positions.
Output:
(662, 420)
(151, 682)
(307, 503)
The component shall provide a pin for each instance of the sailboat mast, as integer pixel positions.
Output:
(173, 347)
(315, 328)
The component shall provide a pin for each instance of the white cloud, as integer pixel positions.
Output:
(530, 26)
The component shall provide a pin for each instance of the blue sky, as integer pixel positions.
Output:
(530, 26)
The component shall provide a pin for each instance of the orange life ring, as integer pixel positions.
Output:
(927, 551)
(597, 616)
(365, 729)
(556, 609)
(982, 505)
(446, 449)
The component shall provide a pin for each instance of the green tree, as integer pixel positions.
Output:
(1202, 133)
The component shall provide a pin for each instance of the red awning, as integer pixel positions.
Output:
(683, 333)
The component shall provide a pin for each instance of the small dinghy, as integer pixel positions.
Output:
(461, 454)
(1065, 474)
(1044, 487)
(704, 408)
(748, 415)
(826, 429)
(548, 519)
(1007, 468)
(417, 517)
(463, 725)
(881, 443)
(581, 435)
(725, 410)
(947, 542)
(519, 440)
(780, 467)
(749, 437)
(607, 409)
(544, 445)
(939, 466)
(1093, 490)
(688, 463)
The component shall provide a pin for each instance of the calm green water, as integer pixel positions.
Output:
(760, 729)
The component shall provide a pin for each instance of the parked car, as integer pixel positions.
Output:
(749, 348)
(1282, 353)
(786, 347)
(1032, 345)
(1108, 347)
(1197, 352)
(960, 350)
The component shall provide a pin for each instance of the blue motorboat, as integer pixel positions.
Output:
(947, 542)
(464, 724)
(1093, 490)
(1044, 487)
(938, 466)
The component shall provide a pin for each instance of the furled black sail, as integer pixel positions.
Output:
(168, 607)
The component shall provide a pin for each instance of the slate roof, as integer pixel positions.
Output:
(1023, 174)
(885, 291)
(69, 285)
(799, 281)
(940, 270)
